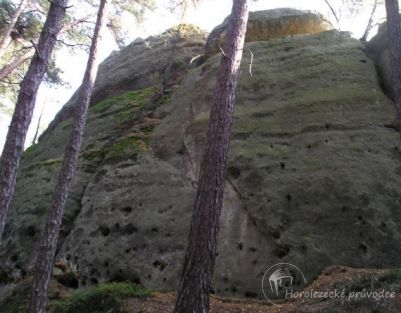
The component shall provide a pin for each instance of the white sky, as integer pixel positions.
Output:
(206, 15)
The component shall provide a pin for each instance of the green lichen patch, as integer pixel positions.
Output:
(128, 146)
(182, 30)
(131, 100)
(100, 299)
(31, 150)
(136, 142)
(67, 124)
(49, 165)
(93, 152)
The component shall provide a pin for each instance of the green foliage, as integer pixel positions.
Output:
(136, 8)
(28, 24)
(17, 302)
(391, 276)
(104, 298)
(25, 32)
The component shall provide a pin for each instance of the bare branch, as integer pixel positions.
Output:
(195, 58)
(15, 62)
(38, 125)
(222, 51)
(250, 64)
(370, 22)
(334, 12)
(73, 45)
(9, 82)
(69, 26)
(6, 37)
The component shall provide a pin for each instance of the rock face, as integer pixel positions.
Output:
(313, 177)
(142, 64)
(378, 50)
(269, 24)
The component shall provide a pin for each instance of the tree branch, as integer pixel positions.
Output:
(370, 22)
(6, 38)
(69, 26)
(334, 12)
(73, 45)
(16, 62)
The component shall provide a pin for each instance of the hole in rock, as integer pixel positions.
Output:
(234, 172)
(250, 294)
(363, 247)
(160, 265)
(30, 231)
(129, 229)
(127, 209)
(281, 251)
(104, 230)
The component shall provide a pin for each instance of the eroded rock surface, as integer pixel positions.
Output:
(313, 177)
(379, 51)
(269, 24)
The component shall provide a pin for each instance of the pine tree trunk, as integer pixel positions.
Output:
(394, 42)
(6, 38)
(47, 249)
(22, 116)
(195, 286)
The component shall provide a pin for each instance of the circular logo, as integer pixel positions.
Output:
(280, 281)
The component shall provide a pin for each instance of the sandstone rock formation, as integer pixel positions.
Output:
(142, 64)
(269, 24)
(313, 178)
(378, 50)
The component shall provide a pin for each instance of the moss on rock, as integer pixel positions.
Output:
(128, 100)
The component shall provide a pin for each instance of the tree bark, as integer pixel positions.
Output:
(45, 257)
(6, 38)
(13, 147)
(195, 285)
(394, 42)
(15, 63)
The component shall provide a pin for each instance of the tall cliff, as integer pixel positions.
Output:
(314, 169)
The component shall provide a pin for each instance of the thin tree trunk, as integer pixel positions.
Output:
(13, 147)
(195, 285)
(38, 126)
(47, 249)
(370, 22)
(15, 63)
(6, 38)
(394, 42)
(333, 12)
